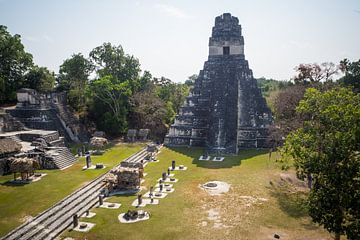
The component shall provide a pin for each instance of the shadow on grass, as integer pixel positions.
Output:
(11, 183)
(291, 203)
(229, 161)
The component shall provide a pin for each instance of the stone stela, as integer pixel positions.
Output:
(225, 111)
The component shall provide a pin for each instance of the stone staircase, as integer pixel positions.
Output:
(61, 157)
(71, 121)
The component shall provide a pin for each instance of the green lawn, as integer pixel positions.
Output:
(17, 202)
(183, 214)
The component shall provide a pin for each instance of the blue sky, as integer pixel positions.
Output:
(170, 38)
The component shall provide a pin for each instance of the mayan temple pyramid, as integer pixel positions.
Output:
(225, 111)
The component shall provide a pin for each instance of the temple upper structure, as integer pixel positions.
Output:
(225, 111)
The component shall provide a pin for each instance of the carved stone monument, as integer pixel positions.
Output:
(225, 111)
(88, 161)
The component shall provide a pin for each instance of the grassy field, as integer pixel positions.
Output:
(258, 205)
(18, 202)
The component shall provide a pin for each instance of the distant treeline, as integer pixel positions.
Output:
(120, 96)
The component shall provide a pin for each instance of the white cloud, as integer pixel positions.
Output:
(172, 11)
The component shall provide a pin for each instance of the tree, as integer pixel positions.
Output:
(286, 117)
(190, 82)
(327, 149)
(172, 92)
(352, 74)
(112, 60)
(14, 63)
(73, 78)
(110, 104)
(149, 111)
(40, 79)
(315, 73)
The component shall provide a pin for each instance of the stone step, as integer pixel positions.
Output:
(64, 159)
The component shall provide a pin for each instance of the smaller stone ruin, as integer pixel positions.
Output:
(137, 135)
(125, 177)
(143, 134)
(152, 148)
(131, 135)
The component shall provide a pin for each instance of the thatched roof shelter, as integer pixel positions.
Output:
(8, 145)
(24, 164)
(98, 141)
(124, 178)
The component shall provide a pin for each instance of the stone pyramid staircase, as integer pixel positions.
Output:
(62, 157)
(71, 121)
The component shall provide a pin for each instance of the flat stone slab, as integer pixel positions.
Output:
(88, 227)
(167, 180)
(165, 185)
(123, 220)
(145, 201)
(110, 205)
(93, 167)
(165, 190)
(90, 215)
(215, 187)
(163, 194)
(178, 169)
(203, 158)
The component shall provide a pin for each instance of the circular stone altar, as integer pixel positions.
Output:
(215, 187)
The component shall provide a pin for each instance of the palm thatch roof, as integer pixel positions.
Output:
(8, 145)
(24, 164)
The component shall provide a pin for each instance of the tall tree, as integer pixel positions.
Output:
(315, 73)
(109, 105)
(191, 80)
(352, 74)
(40, 79)
(112, 60)
(149, 111)
(327, 149)
(73, 78)
(14, 63)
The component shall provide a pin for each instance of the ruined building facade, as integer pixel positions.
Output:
(225, 111)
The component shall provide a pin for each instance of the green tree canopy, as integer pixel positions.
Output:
(109, 104)
(40, 79)
(112, 60)
(14, 63)
(73, 77)
(327, 148)
(352, 74)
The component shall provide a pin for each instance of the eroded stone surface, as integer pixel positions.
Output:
(225, 111)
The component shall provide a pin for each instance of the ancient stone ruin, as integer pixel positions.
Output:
(137, 135)
(48, 112)
(225, 111)
(18, 141)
